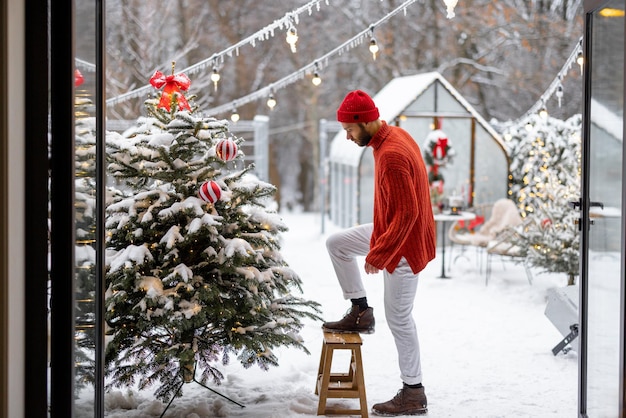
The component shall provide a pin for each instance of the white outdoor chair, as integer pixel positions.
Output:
(509, 245)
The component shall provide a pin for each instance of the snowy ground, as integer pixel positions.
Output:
(486, 350)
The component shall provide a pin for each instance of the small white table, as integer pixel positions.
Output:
(444, 218)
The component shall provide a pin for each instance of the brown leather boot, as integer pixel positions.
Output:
(353, 321)
(406, 402)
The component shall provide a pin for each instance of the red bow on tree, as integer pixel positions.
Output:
(173, 86)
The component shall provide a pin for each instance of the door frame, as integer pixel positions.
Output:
(590, 6)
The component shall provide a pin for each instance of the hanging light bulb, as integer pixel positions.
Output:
(215, 77)
(450, 5)
(373, 44)
(292, 38)
(316, 80)
(374, 48)
(580, 60)
(559, 93)
(234, 116)
(271, 101)
(543, 113)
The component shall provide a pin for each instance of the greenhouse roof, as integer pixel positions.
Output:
(391, 101)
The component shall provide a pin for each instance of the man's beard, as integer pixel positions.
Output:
(364, 137)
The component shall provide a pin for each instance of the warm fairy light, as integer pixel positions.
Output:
(580, 60)
(450, 5)
(559, 93)
(234, 116)
(374, 48)
(215, 77)
(316, 80)
(271, 102)
(292, 38)
(610, 12)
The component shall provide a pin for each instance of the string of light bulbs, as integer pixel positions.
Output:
(313, 67)
(288, 22)
(556, 87)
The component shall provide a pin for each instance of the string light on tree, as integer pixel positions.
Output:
(543, 113)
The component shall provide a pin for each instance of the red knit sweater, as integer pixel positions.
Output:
(403, 218)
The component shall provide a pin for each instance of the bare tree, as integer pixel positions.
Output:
(500, 55)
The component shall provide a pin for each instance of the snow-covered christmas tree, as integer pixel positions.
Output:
(195, 273)
(545, 178)
(85, 259)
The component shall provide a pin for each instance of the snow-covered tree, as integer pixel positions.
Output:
(554, 240)
(545, 178)
(192, 283)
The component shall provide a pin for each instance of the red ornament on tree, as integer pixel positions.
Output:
(226, 149)
(210, 191)
(78, 78)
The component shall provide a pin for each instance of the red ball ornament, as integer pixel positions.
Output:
(226, 149)
(210, 191)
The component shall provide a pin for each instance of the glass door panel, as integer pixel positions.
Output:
(603, 278)
(85, 202)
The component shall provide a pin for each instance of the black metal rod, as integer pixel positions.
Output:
(100, 261)
(35, 143)
(62, 233)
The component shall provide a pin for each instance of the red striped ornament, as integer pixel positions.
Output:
(226, 149)
(210, 191)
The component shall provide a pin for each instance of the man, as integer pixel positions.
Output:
(400, 242)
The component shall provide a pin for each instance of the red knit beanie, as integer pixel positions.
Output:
(357, 107)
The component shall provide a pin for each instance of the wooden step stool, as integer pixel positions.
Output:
(341, 385)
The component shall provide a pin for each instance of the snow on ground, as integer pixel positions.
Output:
(486, 350)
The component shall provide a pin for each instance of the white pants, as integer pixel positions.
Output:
(400, 288)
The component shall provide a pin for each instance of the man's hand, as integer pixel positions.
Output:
(370, 269)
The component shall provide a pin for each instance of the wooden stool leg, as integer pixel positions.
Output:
(325, 380)
(320, 369)
(360, 381)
